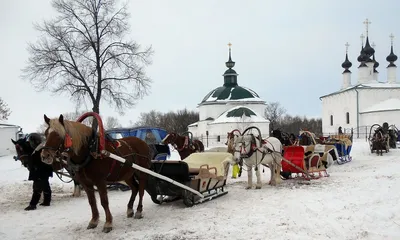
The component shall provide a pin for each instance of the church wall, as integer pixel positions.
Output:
(215, 110)
(369, 97)
(391, 117)
(338, 105)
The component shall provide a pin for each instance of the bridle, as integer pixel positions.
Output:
(21, 157)
(62, 151)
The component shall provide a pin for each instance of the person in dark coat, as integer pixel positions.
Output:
(39, 172)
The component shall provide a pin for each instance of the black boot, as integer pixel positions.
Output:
(34, 201)
(47, 199)
(30, 207)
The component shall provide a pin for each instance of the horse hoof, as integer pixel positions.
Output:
(248, 187)
(91, 225)
(129, 214)
(138, 215)
(107, 229)
(258, 187)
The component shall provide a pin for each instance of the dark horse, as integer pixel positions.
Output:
(39, 172)
(285, 138)
(78, 144)
(183, 144)
(379, 141)
(29, 155)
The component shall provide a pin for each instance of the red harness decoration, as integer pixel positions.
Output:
(114, 161)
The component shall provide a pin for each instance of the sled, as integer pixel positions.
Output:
(302, 162)
(205, 172)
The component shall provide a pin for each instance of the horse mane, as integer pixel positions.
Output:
(78, 132)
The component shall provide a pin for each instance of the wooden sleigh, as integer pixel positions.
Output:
(305, 162)
(205, 172)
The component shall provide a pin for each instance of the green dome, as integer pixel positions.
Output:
(227, 93)
(239, 112)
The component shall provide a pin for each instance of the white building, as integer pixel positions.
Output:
(227, 108)
(8, 132)
(369, 101)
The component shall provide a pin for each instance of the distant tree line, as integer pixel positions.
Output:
(4, 110)
(172, 121)
(179, 120)
(290, 124)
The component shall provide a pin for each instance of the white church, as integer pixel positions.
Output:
(366, 102)
(227, 108)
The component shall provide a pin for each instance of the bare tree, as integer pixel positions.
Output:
(83, 52)
(4, 110)
(273, 112)
(243, 124)
(111, 122)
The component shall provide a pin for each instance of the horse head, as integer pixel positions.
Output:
(175, 140)
(244, 147)
(63, 137)
(23, 150)
(231, 135)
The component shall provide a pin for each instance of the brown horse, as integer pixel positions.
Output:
(183, 144)
(78, 143)
(230, 138)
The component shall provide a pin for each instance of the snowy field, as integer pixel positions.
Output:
(360, 200)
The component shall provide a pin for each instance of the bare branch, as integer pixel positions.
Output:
(4, 110)
(83, 52)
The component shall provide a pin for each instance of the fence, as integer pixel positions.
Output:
(215, 140)
(361, 133)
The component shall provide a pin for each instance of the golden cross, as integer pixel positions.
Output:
(391, 38)
(367, 22)
(229, 44)
(347, 46)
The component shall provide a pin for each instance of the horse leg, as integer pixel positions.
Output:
(249, 177)
(77, 189)
(102, 188)
(272, 168)
(142, 186)
(134, 188)
(258, 175)
(92, 201)
(278, 179)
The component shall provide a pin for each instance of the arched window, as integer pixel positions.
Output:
(348, 118)
(331, 120)
(218, 138)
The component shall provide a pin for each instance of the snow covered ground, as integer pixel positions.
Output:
(360, 200)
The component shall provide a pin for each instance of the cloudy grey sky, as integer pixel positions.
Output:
(288, 51)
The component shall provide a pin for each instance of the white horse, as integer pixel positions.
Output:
(248, 148)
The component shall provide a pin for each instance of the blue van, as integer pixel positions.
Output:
(151, 135)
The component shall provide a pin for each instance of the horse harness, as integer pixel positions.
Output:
(253, 149)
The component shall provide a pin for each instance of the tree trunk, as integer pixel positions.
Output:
(95, 109)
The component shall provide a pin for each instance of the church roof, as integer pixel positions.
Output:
(230, 90)
(231, 93)
(379, 85)
(239, 114)
(387, 105)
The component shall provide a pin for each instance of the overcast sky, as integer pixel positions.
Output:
(287, 51)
